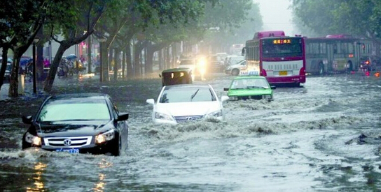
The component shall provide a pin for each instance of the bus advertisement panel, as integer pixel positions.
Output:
(279, 58)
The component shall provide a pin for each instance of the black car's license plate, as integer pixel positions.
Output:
(68, 150)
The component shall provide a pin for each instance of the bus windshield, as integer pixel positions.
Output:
(272, 48)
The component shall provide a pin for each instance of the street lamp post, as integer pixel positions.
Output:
(34, 65)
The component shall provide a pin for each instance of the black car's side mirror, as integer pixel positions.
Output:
(27, 119)
(226, 89)
(123, 117)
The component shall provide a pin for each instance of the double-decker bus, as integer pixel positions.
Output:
(281, 59)
(331, 54)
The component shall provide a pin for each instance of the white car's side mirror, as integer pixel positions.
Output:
(224, 98)
(150, 101)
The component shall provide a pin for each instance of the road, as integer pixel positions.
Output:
(323, 136)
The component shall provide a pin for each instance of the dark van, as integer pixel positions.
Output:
(176, 76)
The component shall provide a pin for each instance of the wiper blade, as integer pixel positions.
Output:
(194, 94)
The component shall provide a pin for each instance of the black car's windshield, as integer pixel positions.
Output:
(187, 94)
(69, 110)
(249, 83)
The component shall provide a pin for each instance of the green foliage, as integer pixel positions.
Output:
(231, 22)
(359, 18)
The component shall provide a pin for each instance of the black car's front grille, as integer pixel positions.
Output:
(67, 141)
(182, 119)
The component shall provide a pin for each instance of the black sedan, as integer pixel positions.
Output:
(77, 123)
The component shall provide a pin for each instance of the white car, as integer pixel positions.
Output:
(186, 102)
(236, 68)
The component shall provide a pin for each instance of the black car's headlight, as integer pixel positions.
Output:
(34, 140)
(106, 136)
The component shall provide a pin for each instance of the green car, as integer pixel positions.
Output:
(250, 87)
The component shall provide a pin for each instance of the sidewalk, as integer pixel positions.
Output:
(58, 82)
(75, 80)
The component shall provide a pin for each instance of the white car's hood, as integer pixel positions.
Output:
(188, 108)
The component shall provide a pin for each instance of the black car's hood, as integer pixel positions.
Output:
(71, 128)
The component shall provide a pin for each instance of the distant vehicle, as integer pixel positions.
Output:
(236, 68)
(77, 123)
(183, 103)
(370, 63)
(250, 87)
(176, 76)
(216, 62)
(233, 59)
(236, 49)
(279, 58)
(187, 63)
(331, 54)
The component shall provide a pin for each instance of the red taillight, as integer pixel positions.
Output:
(302, 72)
(263, 72)
(367, 62)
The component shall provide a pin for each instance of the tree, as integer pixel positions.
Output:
(19, 28)
(358, 18)
(76, 23)
(229, 20)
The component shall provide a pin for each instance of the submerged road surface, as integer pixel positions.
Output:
(324, 136)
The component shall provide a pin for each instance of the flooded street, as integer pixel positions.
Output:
(324, 136)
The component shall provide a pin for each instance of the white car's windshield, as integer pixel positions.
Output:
(187, 94)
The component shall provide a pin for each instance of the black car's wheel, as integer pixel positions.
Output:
(25, 144)
(235, 72)
(115, 148)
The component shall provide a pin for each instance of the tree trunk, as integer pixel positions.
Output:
(13, 83)
(116, 63)
(40, 62)
(149, 61)
(167, 59)
(123, 65)
(54, 66)
(130, 70)
(161, 60)
(137, 51)
(3, 64)
(89, 57)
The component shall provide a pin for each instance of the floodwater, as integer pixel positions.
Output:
(324, 136)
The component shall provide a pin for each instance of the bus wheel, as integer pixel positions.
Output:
(321, 69)
(235, 72)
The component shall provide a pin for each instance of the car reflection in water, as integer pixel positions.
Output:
(77, 123)
(182, 103)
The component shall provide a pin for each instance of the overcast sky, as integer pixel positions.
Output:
(276, 15)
